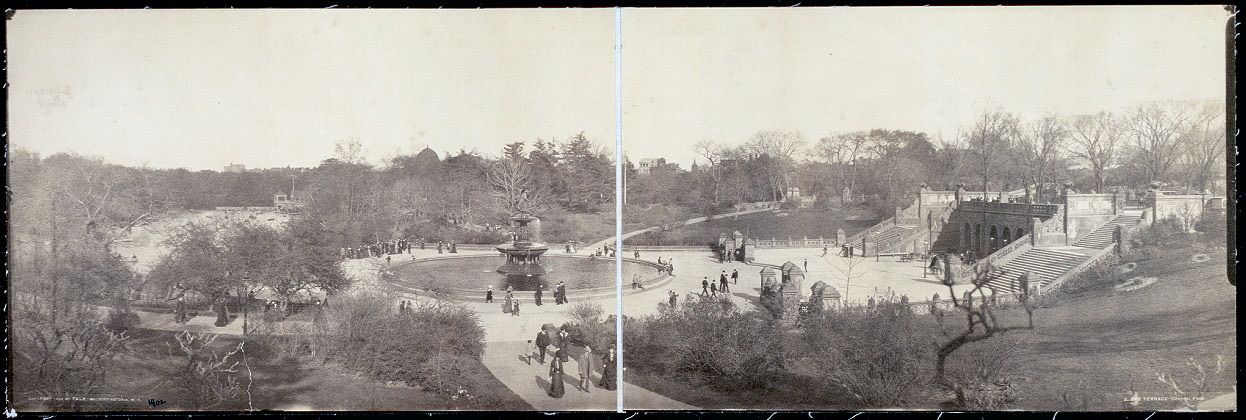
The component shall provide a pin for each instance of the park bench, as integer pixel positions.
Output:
(904, 256)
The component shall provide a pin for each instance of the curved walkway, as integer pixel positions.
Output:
(611, 240)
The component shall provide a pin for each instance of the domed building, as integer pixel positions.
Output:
(426, 158)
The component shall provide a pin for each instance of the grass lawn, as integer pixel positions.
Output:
(1088, 351)
(780, 224)
(275, 384)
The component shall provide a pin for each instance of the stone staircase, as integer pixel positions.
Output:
(1103, 236)
(888, 238)
(1044, 264)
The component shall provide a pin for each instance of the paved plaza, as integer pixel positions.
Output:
(871, 277)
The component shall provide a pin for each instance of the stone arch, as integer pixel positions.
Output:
(994, 238)
(1020, 232)
(1006, 237)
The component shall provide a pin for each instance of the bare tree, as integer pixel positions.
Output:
(1204, 142)
(781, 147)
(1042, 142)
(1155, 129)
(713, 153)
(1094, 139)
(992, 135)
(349, 151)
(843, 150)
(511, 179)
(211, 376)
(62, 357)
(982, 321)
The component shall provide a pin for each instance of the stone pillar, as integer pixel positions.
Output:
(1036, 231)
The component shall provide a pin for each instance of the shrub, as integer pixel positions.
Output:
(587, 326)
(707, 337)
(432, 346)
(983, 375)
(123, 321)
(1169, 232)
(882, 357)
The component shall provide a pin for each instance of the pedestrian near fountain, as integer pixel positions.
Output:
(585, 362)
(515, 309)
(636, 254)
(537, 295)
(542, 341)
(489, 295)
(529, 351)
(564, 339)
(806, 264)
(556, 389)
(508, 303)
(735, 277)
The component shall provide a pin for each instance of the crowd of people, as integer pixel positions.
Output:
(558, 346)
(393, 247)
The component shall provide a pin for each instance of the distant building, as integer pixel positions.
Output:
(235, 168)
(283, 201)
(648, 166)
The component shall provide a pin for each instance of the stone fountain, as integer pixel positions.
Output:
(523, 253)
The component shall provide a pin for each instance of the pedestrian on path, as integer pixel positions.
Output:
(515, 309)
(713, 289)
(672, 299)
(542, 341)
(537, 295)
(489, 295)
(556, 388)
(529, 351)
(806, 264)
(585, 362)
(609, 370)
(705, 286)
(722, 281)
(735, 276)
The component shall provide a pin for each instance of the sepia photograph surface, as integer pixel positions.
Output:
(312, 210)
(979, 208)
(849, 208)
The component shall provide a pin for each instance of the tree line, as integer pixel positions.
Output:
(1174, 145)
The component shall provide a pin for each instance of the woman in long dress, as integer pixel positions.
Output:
(608, 370)
(555, 378)
(509, 305)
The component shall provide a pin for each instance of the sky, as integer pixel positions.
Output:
(202, 89)
(273, 88)
(724, 75)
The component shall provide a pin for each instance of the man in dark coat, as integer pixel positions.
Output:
(705, 286)
(489, 295)
(542, 341)
(735, 277)
(537, 295)
(562, 292)
(722, 282)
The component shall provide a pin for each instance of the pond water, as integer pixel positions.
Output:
(478, 272)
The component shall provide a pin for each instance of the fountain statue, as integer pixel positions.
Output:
(523, 253)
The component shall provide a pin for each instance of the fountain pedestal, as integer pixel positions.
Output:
(523, 254)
